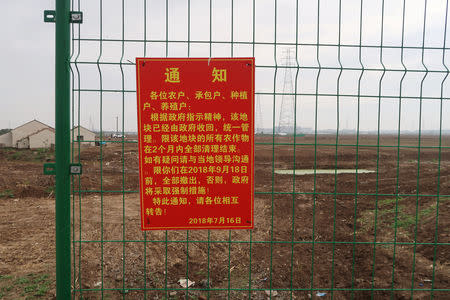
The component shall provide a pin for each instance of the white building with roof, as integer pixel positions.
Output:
(33, 134)
(84, 135)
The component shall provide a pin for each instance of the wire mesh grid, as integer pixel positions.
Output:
(351, 151)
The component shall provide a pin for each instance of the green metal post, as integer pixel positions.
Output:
(62, 128)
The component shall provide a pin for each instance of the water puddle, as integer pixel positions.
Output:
(321, 171)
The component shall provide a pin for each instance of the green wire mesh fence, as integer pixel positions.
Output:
(351, 163)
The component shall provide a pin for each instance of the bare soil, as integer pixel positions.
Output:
(318, 237)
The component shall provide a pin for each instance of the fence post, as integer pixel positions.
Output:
(62, 153)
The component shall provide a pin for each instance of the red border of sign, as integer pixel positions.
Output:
(252, 183)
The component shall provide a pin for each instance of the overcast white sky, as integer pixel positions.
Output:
(27, 68)
(27, 51)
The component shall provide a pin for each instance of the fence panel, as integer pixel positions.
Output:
(351, 162)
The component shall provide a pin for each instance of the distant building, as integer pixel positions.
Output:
(82, 134)
(44, 138)
(33, 134)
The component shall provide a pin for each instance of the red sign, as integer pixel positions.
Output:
(196, 144)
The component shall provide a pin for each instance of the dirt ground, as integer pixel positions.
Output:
(318, 237)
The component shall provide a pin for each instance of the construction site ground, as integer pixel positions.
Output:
(363, 234)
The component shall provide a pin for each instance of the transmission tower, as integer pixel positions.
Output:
(91, 123)
(259, 125)
(287, 113)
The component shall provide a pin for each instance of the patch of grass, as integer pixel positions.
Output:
(32, 155)
(5, 277)
(43, 154)
(50, 189)
(31, 286)
(107, 296)
(6, 194)
(389, 201)
(22, 280)
(18, 155)
(201, 273)
(405, 220)
(427, 211)
(5, 285)
(387, 246)
(390, 215)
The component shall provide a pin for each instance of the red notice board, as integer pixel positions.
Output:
(196, 142)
